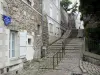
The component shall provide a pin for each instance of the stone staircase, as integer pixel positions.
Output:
(73, 55)
(70, 63)
(74, 33)
(73, 46)
(52, 49)
(47, 62)
(57, 46)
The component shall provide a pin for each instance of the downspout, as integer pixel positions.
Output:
(43, 48)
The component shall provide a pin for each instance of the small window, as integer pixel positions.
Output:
(38, 29)
(57, 16)
(29, 2)
(51, 28)
(29, 41)
(7, 69)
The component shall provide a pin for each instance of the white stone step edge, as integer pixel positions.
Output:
(82, 68)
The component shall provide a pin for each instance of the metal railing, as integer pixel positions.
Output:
(57, 58)
(92, 45)
(89, 47)
(60, 54)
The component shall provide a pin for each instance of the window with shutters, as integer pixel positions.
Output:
(12, 43)
(23, 43)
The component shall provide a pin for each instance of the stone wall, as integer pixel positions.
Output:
(64, 18)
(25, 18)
(53, 20)
(45, 36)
(91, 57)
(91, 60)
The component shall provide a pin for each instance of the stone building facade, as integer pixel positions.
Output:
(64, 20)
(21, 40)
(52, 10)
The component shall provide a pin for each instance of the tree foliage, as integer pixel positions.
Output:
(65, 4)
(91, 8)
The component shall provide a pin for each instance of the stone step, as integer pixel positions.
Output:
(73, 45)
(72, 51)
(58, 72)
(65, 48)
(67, 45)
(67, 51)
(72, 48)
(61, 49)
(57, 44)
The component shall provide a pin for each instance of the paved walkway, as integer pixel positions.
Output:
(71, 63)
(68, 66)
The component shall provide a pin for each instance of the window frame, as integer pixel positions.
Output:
(11, 41)
(29, 2)
(50, 27)
(38, 29)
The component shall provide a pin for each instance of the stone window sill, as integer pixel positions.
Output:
(14, 58)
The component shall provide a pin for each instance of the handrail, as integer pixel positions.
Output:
(88, 54)
(60, 54)
(54, 41)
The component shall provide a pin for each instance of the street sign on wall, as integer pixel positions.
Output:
(7, 20)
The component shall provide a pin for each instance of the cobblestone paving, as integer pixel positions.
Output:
(69, 65)
(91, 68)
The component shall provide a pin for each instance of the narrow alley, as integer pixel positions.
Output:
(49, 37)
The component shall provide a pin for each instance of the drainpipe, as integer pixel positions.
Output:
(43, 47)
